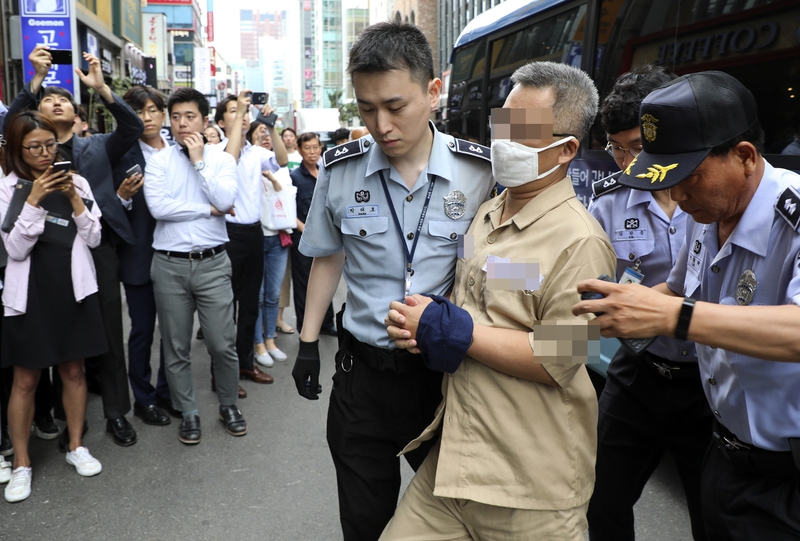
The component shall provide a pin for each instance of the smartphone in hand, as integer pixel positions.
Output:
(61, 56)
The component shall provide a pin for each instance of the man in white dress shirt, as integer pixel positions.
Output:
(246, 245)
(189, 189)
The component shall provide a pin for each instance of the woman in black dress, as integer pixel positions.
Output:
(51, 311)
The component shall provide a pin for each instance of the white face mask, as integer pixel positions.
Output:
(514, 164)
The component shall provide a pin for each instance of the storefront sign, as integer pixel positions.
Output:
(746, 37)
(51, 24)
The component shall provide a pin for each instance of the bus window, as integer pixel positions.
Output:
(546, 40)
(469, 62)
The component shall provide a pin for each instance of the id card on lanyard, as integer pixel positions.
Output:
(409, 254)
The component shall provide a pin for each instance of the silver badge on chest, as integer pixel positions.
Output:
(455, 204)
(746, 288)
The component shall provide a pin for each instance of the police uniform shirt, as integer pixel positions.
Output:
(506, 441)
(349, 210)
(755, 399)
(640, 231)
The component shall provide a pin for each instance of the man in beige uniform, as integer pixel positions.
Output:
(519, 415)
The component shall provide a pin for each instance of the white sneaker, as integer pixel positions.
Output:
(5, 472)
(277, 354)
(84, 462)
(264, 359)
(19, 488)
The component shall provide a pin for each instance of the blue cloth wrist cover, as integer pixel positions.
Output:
(444, 334)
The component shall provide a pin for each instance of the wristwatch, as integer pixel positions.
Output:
(200, 165)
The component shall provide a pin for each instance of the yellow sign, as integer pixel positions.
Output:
(657, 172)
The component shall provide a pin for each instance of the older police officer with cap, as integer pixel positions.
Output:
(734, 290)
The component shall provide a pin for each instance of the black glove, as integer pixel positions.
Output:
(306, 370)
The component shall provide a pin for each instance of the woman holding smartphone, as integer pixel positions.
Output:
(50, 290)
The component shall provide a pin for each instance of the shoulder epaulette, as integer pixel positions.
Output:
(606, 185)
(472, 149)
(788, 206)
(345, 150)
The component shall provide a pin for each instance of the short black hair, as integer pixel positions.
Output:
(391, 46)
(188, 95)
(137, 96)
(754, 135)
(289, 129)
(620, 109)
(222, 107)
(63, 92)
(341, 133)
(81, 112)
(306, 137)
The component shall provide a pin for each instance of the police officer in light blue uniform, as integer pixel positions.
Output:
(396, 203)
(734, 290)
(351, 211)
(652, 402)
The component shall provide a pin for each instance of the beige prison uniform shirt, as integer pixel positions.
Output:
(505, 441)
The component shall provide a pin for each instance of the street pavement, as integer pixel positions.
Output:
(277, 483)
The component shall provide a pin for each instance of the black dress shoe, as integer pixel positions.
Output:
(233, 419)
(151, 415)
(45, 427)
(63, 440)
(189, 431)
(123, 432)
(328, 331)
(166, 405)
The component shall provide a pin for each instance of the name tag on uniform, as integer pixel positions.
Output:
(630, 234)
(361, 211)
(506, 274)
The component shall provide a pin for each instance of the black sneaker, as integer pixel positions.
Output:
(63, 441)
(6, 448)
(45, 427)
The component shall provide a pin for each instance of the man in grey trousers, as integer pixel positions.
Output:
(189, 188)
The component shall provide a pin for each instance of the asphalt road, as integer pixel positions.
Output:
(275, 483)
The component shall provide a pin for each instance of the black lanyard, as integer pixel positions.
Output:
(409, 254)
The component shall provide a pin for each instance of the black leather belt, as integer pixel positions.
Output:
(383, 360)
(236, 224)
(671, 370)
(748, 458)
(191, 256)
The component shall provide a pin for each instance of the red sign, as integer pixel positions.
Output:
(210, 26)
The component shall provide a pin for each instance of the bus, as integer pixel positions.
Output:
(756, 41)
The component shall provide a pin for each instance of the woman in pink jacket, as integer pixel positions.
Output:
(52, 315)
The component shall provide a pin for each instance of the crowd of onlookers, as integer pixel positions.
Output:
(84, 212)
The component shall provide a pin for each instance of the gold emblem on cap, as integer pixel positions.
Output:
(633, 161)
(649, 127)
(657, 172)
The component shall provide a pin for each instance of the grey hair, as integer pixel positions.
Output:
(576, 102)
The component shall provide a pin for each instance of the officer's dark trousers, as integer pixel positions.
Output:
(372, 416)
(741, 505)
(111, 367)
(301, 270)
(246, 252)
(643, 414)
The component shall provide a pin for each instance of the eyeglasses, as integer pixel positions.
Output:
(36, 150)
(151, 111)
(618, 152)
